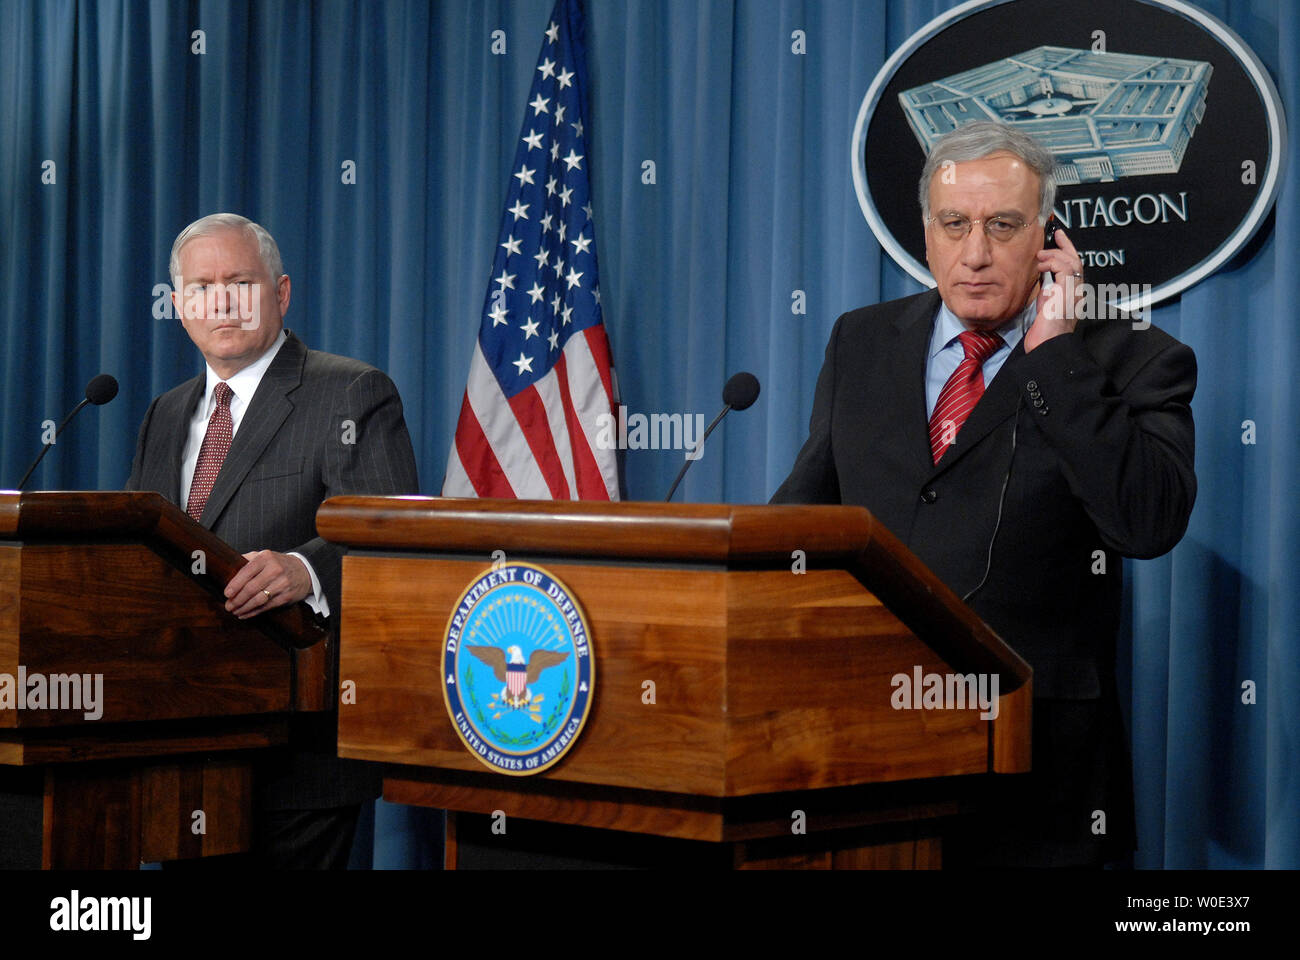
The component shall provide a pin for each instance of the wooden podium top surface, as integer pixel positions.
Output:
(701, 533)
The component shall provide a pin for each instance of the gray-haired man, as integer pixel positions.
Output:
(250, 448)
(1019, 451)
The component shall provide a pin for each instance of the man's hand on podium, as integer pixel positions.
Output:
(267, 581)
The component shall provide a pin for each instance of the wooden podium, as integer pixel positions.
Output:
(743, 659)
(126, 588)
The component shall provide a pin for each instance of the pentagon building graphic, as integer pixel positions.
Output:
(1104, 115)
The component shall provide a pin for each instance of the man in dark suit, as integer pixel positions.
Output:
(1021, 496)
(250, 449)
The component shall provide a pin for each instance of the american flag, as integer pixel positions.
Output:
(541, 371)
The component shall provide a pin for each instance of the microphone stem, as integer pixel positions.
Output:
(46, 449)
(709, 429)
(699, 446)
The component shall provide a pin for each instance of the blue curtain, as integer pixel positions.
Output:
(751, 200)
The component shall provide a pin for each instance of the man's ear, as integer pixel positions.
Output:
(282, 290)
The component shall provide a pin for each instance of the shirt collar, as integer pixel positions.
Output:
(947, 328)
(244, 384)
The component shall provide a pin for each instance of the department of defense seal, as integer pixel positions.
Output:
(518, 671)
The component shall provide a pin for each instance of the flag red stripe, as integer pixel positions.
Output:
(591, 485)
(477, 458)
(531, 414)
(598, 344)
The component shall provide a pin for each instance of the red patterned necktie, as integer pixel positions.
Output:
(962, 391)
(216, 444)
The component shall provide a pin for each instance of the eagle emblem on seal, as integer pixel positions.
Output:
(517, 675)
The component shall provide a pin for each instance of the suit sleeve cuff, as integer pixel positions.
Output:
(1061, 362)
(317, 600)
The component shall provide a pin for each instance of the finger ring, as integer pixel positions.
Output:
(268, 594)
(1077, 276)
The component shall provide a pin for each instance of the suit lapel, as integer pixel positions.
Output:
(175, 425)
(266, 413)
(908, 388)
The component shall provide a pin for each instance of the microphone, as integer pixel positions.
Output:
(739, 393)
(99, 391)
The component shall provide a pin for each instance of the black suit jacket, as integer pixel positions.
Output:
(1092, 435)
(318, 426)
(1102, 462)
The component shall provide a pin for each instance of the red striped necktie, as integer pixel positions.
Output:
(962, 391)
(216, 444)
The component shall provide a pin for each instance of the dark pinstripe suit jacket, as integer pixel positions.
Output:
(288, 456)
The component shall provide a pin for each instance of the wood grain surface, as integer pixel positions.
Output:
(762, 680)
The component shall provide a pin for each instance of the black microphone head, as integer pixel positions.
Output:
(741, 391)
(101, 389)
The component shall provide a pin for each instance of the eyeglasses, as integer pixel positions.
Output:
(956, 227)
